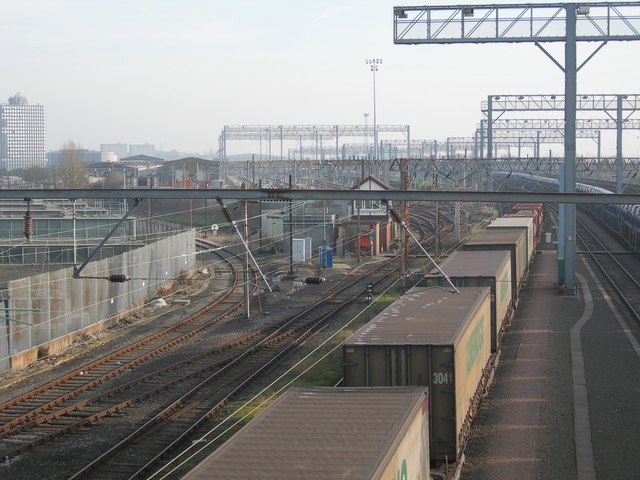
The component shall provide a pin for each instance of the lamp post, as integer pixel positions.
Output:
(366, 134)
(373, 63)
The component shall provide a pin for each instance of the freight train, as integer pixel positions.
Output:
(435, 338)
(416, 371)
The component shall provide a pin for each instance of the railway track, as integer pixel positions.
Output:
(621, 278)
(189, 417)
(45, 412)
(180, 401)
(110, 395)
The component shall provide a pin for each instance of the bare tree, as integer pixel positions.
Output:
(72, 169)
(37, 175)
(113, 180)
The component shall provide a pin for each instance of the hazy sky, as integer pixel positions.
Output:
(172, 72)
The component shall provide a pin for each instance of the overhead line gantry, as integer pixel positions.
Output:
(568, 23)
(621, 104)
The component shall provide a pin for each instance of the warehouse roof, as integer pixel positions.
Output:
(317, 433)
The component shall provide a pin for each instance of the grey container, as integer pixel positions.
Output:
(518, 222)
(434, 338)
(480, 269)
(327, 434)
(512, 240)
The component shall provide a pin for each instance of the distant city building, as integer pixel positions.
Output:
(22, 134)
(144, 159)
(141, 149)
(108, 157)
(88, 156)
(121, 150)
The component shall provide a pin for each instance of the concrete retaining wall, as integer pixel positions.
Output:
(70, 306)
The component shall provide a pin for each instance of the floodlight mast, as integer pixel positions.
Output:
(531, 23)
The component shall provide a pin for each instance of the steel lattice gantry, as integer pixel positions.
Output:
(539, 23)
(524, 125)
(620, 103)
(530, 137)
(347, 172)
(300, 133)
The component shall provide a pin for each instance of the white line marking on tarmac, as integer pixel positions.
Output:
(616, 313)
(581, 425)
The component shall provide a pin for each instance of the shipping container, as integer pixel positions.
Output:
(480, 269)
(518, 223)
(327, 434)
(434, 338)
(536, 225)
(515, 241)
(538, 207)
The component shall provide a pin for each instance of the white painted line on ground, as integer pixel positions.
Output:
(616, 313)
(581, 425)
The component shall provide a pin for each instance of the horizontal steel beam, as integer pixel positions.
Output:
(514, 23)
(558, 124)
(286, 194)
(550, 102)
(305, 132)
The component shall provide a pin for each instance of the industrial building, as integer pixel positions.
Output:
(22, 134)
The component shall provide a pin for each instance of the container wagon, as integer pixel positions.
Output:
(531, 214)
(480, 269)
(434, 338)
(538, 207)
(364, 243)
(515, 241)
(525, 223)
(327, 434)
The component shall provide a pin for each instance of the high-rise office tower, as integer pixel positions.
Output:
(22, 134)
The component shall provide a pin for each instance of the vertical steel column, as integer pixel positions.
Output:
(281, 151)
(223, 144)
(489, 127)
(569, 184)
(599, 143)
(337, 143)
(404, 259)
(290, 229)
(537, 155)
(245, 269)
(619, 145)
(375, 120)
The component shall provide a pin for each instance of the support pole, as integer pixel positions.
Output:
(245, 270)
(569, 184)
(619, 145)
(290, 230)
(78, 270)
(233, 223)
(489, 127)
(75, 242)
(396, 216)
